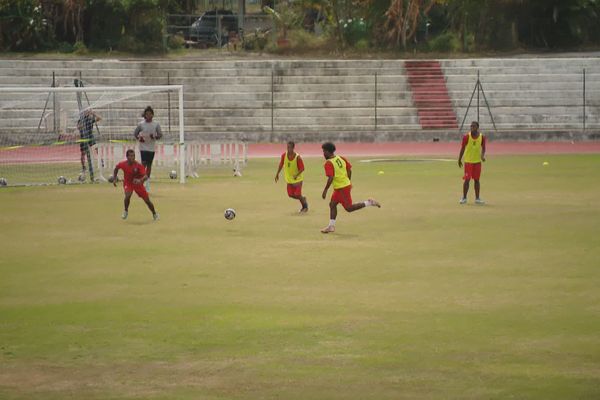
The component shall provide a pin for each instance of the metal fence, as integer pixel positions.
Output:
(215, 29)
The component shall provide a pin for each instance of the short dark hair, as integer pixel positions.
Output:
(328, 146)
(129, 151)
(291, 142)
(146, 110)
(476, 123)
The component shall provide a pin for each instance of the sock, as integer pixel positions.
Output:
(332, 222)
(367, 203)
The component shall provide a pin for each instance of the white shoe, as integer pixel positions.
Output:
(479, 201)
(147, 185)
(155, 217)
(328, 229)
(374, 203)
(124, 216)
(463, 200)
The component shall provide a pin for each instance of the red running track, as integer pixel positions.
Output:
(70, 153)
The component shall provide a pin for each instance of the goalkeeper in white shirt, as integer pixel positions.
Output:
(147, 133)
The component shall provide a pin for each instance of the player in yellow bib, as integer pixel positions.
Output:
(473, 149)
(339, 172)
(293, 171)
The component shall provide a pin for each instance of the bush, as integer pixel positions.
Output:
(303, 40)
(445, 43)
(143, 32)
(80, 48)
(255, 41)
(354, 30)
(175, 42)
(23, 26)
(65, 47)
(107, 22)
(362, 44)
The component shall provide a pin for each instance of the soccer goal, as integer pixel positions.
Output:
(62, 135)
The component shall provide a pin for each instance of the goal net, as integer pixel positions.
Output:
(54, 135)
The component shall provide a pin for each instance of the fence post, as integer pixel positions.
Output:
(584, 100)
(169, 102)
(478, 83)
(272, 102)
(54, 106)
(376, 101)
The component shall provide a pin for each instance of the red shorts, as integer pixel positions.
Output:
(294, 189)
(472, 171)
(139, 189)
(343, 196)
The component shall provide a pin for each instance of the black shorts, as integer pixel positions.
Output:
(147, 157)
(83, 146)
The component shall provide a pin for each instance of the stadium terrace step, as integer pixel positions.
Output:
(430, 95)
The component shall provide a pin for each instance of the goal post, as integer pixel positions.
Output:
(41, 139)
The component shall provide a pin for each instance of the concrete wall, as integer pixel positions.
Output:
(313, 100)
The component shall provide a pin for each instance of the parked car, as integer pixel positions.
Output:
(206, 28)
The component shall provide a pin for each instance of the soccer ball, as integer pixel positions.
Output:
(3, 182)
(62, 180)
(229, 214)
(111, 179)
(173, 174)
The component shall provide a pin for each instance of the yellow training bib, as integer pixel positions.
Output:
(340, 178)
(290, 169)
(473, 149)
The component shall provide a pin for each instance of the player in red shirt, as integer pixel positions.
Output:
(339, 172)
(134, 178)
(293, 168)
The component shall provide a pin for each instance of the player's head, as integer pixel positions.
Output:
(474, 126)
(290, 146)
(328, 150)
(148, 113)
(130, 154)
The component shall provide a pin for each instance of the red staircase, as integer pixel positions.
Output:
(430, 95)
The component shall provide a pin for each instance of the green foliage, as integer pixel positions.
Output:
(175, 42)
(255, 41)
(362, 44)
(23, 26)
(107, 22)
(354, 30)
(80, 48)
(303, 40)
(445, 43)
(145, 26)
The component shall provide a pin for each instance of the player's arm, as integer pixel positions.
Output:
(483, 148)
(330, 173)
(96, 117)
(279, 169)
(158, 133)
(144, 178)
(462, 151)
(114, 177)
(141, 180)
(300, 167)
(136, 133)
(348, 168)
(329, 181)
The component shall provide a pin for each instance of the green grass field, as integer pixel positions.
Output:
(421, 299)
